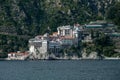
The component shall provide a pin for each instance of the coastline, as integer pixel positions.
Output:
(106, 58)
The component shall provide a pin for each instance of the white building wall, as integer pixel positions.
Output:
(32, 49)
(39, 50)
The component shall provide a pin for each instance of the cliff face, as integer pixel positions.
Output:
(32, 17)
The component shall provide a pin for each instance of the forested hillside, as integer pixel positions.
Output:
(32, 17)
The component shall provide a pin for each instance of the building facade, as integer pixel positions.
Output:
(42, 46)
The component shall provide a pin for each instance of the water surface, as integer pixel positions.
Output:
(60, 70)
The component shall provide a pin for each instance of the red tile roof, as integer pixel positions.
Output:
(21, 53)
(55, 33)
(66, 37)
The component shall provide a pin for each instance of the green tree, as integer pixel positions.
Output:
(113, 13)
(104, 45)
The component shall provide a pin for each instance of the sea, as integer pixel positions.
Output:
(60, 70)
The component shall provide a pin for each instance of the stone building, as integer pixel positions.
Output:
(42, 46)
(38, 48)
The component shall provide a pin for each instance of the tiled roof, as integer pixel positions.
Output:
(39, 36)
(66, 37)
(21, 53)
(77, 25)
(55, 33)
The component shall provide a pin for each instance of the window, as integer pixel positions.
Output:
(67, 32)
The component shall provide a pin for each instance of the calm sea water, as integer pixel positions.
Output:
(60, 70)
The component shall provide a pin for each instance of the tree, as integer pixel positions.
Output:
(113, 13)
(104, 45)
